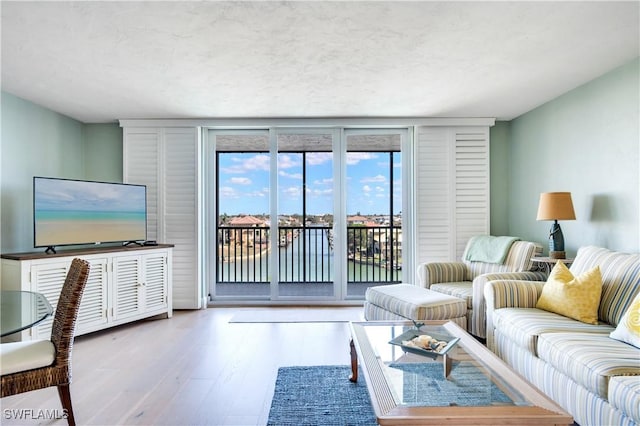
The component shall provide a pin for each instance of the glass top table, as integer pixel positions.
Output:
(20, 310)
(469, 384)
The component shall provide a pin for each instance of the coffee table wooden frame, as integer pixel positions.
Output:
(542, 410)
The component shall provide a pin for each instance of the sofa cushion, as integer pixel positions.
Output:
(628, 330)
(620, 279)
(576, 297)
(590, 359)
(624, 394)
(523, 325)
(462, 290)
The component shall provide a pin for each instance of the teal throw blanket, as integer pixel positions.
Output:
(489, 249)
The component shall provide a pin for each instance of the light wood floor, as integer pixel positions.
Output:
(193, 369)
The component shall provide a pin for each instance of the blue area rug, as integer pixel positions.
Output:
(321, 395)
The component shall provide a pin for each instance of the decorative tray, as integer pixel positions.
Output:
(439, 344)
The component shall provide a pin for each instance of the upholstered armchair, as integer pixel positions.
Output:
(466, 279)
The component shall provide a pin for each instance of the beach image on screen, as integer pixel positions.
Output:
(81, 212)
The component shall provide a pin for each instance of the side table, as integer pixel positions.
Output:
(546, 264)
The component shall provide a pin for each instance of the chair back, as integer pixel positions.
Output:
(64, 321)
(518, 260)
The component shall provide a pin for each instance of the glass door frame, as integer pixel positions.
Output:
(339, 133)
(274, 213)
(406, 150)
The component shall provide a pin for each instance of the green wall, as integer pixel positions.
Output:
(499, 190)
(103, 152)
(586, 142)
(39, 142)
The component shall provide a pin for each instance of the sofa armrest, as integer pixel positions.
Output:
(479, 312)
(441, 272)
(509, 294)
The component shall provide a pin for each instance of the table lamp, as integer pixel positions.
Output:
(556, 206)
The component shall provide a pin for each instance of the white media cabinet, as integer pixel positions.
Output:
(125, 284)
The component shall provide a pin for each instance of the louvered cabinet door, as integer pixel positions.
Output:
(155, 282)
(127, 286)
(93, 307)
(48, 279)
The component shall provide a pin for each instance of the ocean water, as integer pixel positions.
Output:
(83, 215)
(54, 227)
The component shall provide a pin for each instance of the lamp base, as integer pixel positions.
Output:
(557, 255)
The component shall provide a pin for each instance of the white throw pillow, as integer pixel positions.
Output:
(628, 329)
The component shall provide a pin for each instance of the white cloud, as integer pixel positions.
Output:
(257, 162)
(355, 157)
(314, 192)
(243, 165)
(378, 178)
(290, 175)
(240, 181)
(323, 182)
(227, 192)
(317, 158)
(286, 161)
(292, 191)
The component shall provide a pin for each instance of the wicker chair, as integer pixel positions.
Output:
(38, 364)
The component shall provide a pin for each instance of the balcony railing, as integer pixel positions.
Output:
(305, 254)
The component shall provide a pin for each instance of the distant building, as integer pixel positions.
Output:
(356, 220)
(247, 236)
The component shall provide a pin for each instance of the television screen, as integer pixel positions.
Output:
(67, 211)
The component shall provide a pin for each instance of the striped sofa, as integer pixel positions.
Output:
(466, 280)
(592, 376)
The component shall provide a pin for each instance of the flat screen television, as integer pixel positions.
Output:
(76, 212)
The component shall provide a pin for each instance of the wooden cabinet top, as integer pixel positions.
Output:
(79, 252)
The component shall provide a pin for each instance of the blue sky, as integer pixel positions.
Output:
(74, 195)
(244, 183)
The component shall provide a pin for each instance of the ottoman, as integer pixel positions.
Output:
(407, 301)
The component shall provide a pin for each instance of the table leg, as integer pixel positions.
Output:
(354, 362)
(446, 363)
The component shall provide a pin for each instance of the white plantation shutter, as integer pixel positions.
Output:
(472, 184)
(451, 190)
(180, 226)
(141, 155)
(166, 160)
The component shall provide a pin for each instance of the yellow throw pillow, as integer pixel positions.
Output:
(628, 329)
(574, 297)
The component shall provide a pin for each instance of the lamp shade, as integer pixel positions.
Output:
(555, 206)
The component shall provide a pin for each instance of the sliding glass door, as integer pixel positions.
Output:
(373, 209)
(303, 214)
(239, 228)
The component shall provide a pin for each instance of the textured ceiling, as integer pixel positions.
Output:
(102, 61)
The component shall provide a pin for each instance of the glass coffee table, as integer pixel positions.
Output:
(467, 385)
